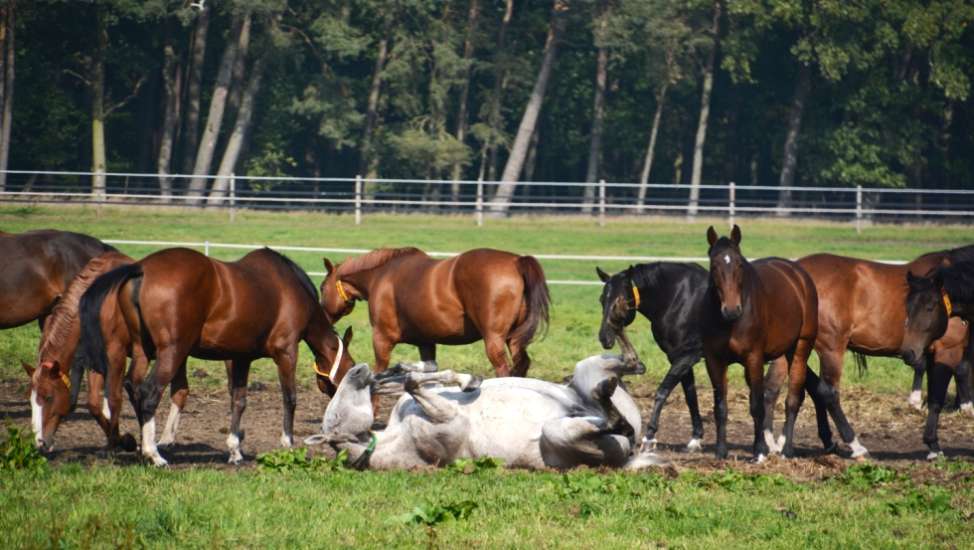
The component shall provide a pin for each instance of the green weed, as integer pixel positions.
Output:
(18, 452)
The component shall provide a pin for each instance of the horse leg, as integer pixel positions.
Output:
(678, 370)
(717, 370)
(962, 378)
(520, 357)
(438, 409)
(239, 371)
(148, 394)
(497, 354)
(938, 378)
(467, 382)
(812, 382)
(777, 372)
(382, 346)
(797, 371)
(754, 375)
(97, 406)
(286, 361)
(827, 390)
(178, 391)
(690, 393)
(916, 393)
(569, 441)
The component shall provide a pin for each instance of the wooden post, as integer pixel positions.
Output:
(479, 208)
(858, 210)
(601, 203)
(358, 200)
(233, 196)
(206, 248)
(731, 204)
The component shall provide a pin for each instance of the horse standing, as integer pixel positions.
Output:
(183, 303)
(670, 295)
(755, 312)
(38, 267)
(486, 294)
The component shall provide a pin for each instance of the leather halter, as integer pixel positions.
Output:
(362, 462)
(947, 304)
(334, 366)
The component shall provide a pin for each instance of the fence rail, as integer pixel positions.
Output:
(363, 196)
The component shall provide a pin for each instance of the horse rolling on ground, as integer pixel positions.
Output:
(525, 422)
(182, 303)
(484, 294)
(932, 302)
(670, 296)
(862, 307)
(38, 267)
(755, 312)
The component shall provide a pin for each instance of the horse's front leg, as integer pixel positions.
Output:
(286, 361)
(916, 394)
(938, 378)
(754, 374)
(676, 374)
(717, 370)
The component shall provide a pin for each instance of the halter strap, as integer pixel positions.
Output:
(362, 462)
(334, 366)
(635, 296)
(947, 304)
(341, 290)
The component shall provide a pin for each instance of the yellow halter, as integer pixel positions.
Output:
(341, 290)
(334, 366)
(67, 380)
(635, 295)
(947, 304)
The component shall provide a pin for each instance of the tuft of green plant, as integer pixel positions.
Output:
(431, 515)
(934, 500)
(868, 475)
(299, 459)
(17, 452)
(469, 466)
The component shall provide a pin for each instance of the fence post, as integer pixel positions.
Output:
(358, 199)
(858, 210)
(731, 203)
(480, 202)
(601, 203)
(233, 196)
(206, 248)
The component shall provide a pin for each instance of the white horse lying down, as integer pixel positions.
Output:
(525, 422)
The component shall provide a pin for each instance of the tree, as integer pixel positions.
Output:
(598, 109)
(473, 14)
(7, 28)
(706, 88)
(194, 78)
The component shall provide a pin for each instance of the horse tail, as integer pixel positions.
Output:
(536, 297)
(91, 349)
(861, 365)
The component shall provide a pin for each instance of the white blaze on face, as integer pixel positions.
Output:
(36, 418)
(726, 258)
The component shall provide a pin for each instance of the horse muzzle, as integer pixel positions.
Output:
(731, 313)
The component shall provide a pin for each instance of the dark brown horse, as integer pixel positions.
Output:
(38, 266)
(755, 312)
(414, 299)
(182, 303)
(862, 307)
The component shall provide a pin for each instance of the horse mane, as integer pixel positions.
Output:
(646, 275)
(64, 315)
(958, 281)
(303, 278)
(373, 259)
(961, 254)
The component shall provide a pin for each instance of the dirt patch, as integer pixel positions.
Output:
(886, 425)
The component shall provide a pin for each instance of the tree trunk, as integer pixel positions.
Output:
(172, 84)
(98, 157)
(500, 84)
(531, 161)
(701, 138)
(472, 16)
(790, 160)
(598, 116)
(238, 137)
(193, 87)
(214, 119)
(7, 19)
(369, 163)
(651, 148)
(515, 161)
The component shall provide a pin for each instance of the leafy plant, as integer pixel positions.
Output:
(475, 465)
(432, 515)
(934, 500)
(299, 459)
(868, 475)
(18, 452)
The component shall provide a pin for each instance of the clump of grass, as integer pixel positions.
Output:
(17, 452)
(299, 459)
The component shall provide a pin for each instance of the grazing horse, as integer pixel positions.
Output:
(754, 312)
(38, 266)
(525, 422)
(54, 392)
(862, 307)
(670, 295)
(182, 303)
(484, 294)
(932, 303)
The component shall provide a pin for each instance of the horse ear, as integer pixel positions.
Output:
(28, 368)
(602, 274)
(347, 337)
(736, 234)
(54, 367)
(711, 235)
(328, 267)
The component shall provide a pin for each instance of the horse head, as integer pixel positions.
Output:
(928, 309)
(348, 419)
(331, 370)
(337, 297)
(50, 400)
(620, 301)
(727, 272)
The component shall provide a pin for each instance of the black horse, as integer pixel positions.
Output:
(669, 295)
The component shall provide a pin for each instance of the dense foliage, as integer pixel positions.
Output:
(871, 93)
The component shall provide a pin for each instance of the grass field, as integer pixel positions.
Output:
(867, 506)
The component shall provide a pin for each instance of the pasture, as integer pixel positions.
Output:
(88, 499)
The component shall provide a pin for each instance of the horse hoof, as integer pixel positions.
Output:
(157, 460)
(934, 455)
(694, 446)
(858, 451)
(769, 440)
(967, 408)
(235, 459)
(472, 384)
(165, 443)
(287, 441)
(760, 459)
(648, 446)
(781, 443)
(916, 400)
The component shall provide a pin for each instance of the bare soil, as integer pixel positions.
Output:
(885, 424)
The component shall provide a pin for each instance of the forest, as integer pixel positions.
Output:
(828, 93)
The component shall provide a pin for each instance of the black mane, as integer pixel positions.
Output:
(958, 281)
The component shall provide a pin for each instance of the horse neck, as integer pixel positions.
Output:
(316, 331)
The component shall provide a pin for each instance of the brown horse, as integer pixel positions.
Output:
(755, 312)
(414, 299)
(38, 266)
(862, 307)
(181, 303)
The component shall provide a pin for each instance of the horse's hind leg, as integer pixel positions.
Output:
(569, 441)
(522, 362)
(773, 380)
(238, 374)
(497, 354)
(675, 375)
(286, 360)
(797, 371)
(439, 409)
(962, 377)
(717, 370)
(178, 391)
(149, 393)
(938, 378)
(828, 391)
